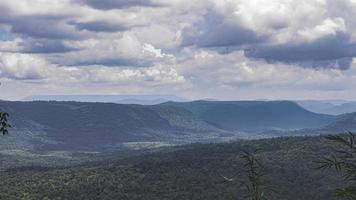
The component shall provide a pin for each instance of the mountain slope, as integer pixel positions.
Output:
(255, 115)
(100, 125)
(328, 107)
(315, 105)
(341, 109)
(343, 123)
(106, 126)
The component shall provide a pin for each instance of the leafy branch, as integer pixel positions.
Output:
(4, 124)
(255, 186)
(343, 159)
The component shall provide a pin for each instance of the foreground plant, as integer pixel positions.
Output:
(4, 124)
(255, 186)
(343, 159)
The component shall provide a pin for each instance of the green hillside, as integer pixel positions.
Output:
(255, 115)
(78, 126)
(74, 125)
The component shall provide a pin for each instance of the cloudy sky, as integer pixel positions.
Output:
(224, 49)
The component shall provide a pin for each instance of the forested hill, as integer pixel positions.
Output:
(255, 115)
(343, 123)
(79, 125)
(71, 125)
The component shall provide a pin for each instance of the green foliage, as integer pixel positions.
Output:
(343, 159)
(4, 124)
(255, 186)
(185, 172)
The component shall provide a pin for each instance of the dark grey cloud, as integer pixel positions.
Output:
(117, 4)
(46, 46)
(212, 31)
(111, 62)
(224, 34)
(27, 77)
(99, 26)
(329, 52)
(39, 33)
(49, 33)
(44, 28)
(215, 32)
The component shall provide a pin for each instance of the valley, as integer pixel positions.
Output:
(173, 150)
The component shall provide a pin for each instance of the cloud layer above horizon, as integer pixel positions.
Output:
(225, 49)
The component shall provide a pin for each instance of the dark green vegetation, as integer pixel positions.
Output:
(187, 172)
(343, 160)
(256, 188)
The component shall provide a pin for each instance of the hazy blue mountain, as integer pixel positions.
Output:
(144, 102)
(341, 109)
(332, 107)
(79, 125)
(315, 105)
(123, 99)
(343, 123)
(255, 115)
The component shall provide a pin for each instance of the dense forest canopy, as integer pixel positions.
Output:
(194, 171)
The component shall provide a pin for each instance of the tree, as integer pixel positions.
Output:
(343, 159)
(252, 175)
(255, 185)
(4, 124)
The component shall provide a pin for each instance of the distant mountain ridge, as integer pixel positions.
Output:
(344, 108)
(344, 123)
(255, 115)
(90, 125)
(329, 107)
(81, 126)
(122, 99)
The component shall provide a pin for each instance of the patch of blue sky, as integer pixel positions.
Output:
(5, 35)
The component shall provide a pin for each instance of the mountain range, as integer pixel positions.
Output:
(329, 107)
(122, 99)
(254, 116)
(52, 125)
(91, 125)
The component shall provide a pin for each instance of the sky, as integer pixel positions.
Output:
(194, 49)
